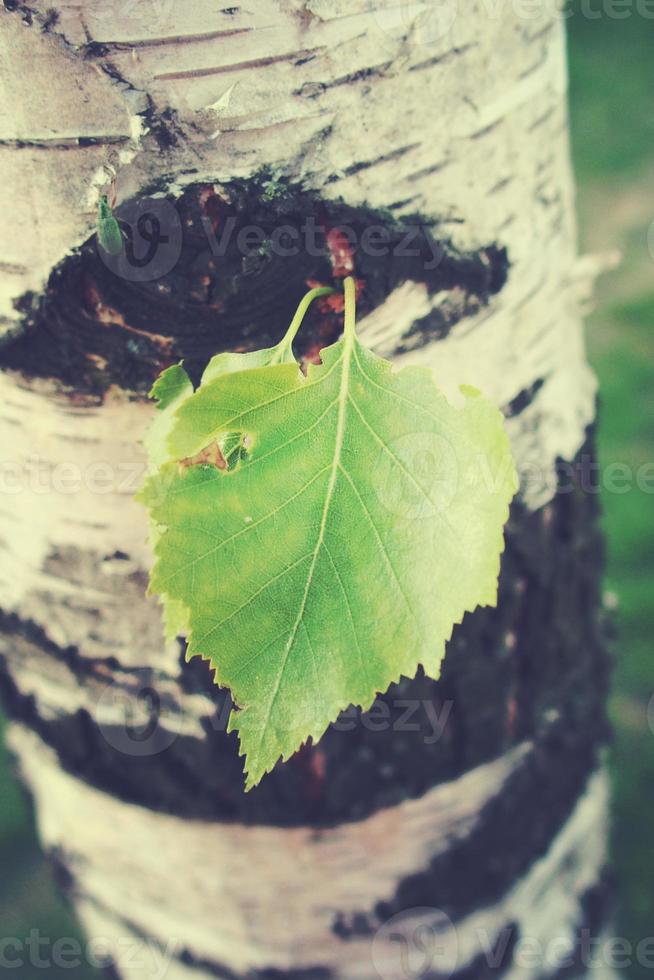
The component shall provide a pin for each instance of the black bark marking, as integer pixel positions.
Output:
(523, 399)
(77, 142)
(515, 829)
(500, 185)
(426, 171)
(357, 168)
(91, 328)
(485, 966)
(313, 90)
(298, 57)
(438, 322)
(157, 42)
(442, 58)
(542, 33)
(487, 129)
(223, 972)
(537, 65)
(396, 205)
(540, 121)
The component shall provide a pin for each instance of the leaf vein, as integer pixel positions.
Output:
(251, 599)
(381, 546)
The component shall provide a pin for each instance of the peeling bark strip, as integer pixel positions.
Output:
(478, 805)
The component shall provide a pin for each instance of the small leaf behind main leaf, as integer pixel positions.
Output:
(366, 519)
(172, 387)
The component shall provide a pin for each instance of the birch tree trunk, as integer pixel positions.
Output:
(457, 819)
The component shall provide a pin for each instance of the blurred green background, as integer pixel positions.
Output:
(612, 109)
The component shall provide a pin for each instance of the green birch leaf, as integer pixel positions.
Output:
(228, 362)
(363, 519)
(172, 387)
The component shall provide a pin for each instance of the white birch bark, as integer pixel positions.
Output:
(460, 111)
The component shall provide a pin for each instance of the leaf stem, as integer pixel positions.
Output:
(300, 314)
(349, 319)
